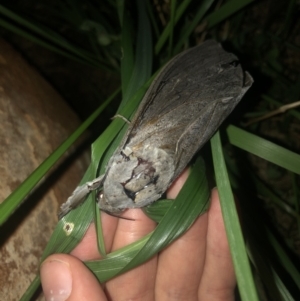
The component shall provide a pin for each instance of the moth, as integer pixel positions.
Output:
(182, 109)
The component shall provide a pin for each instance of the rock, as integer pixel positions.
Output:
(34, 121)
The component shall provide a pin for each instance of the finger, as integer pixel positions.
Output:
(218, 280)
(87, 249)
(137, 284)
(180, 265)
(65, 277)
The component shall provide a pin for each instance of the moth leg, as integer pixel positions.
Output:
(122, 117)
(78, 195)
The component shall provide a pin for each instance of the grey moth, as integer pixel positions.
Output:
(182, 109)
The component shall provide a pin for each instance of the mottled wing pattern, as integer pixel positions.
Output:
(186, 85)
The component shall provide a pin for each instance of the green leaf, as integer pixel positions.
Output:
(225, 11)
(144, 53)
(264, 149)
(127, 59)
(141, 72)
(167, 31)
(47, 38)
(34, 285)
(157, 210)
(283, 257)
(10, 204)
(178, 219)
(202, 10)
(232, 225)
(172, 24)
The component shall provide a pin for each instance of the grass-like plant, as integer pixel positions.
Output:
(152, 42)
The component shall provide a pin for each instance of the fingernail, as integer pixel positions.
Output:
(56, 280)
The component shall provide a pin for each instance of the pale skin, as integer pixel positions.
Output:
(197, 266)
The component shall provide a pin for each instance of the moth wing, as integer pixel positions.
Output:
(179, 80)
(200, 130)
(182, 92)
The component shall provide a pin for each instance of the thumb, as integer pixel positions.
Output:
(65, 277)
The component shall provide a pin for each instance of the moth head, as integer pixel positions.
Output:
(136, 180)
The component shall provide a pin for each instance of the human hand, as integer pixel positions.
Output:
(197, 266)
